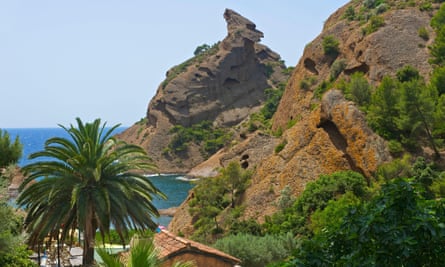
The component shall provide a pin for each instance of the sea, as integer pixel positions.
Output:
(174, 186)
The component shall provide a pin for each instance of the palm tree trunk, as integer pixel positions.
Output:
(89, 238)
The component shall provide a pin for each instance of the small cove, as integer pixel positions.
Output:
(173, 185)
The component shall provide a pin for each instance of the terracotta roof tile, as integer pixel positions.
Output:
(168, 243)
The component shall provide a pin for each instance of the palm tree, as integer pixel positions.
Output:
(142, 253)
(90, 181)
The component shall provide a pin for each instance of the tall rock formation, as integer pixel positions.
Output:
(223, 85)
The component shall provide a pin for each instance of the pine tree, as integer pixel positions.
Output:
(416, 113)
(382, 111)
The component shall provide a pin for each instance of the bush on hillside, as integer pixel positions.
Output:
(10, 152)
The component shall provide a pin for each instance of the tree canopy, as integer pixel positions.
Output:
(10, 152)
(89, 182)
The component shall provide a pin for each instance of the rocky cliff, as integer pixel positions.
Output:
(330, 133)
(223, 84)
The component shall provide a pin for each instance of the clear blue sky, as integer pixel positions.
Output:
(105, 58)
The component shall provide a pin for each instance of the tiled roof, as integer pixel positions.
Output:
(169, 244)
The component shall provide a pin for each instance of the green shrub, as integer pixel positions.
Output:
(286, 199)
(257, 251)
(315, 197)
(201, 49)
(423, 33)
(438, 79)
(327, 187)
(426, 6)
(273, 97)
(398, 227)
(375, 22)
(210, 138)
(307, 82)
(349, 13)
(262, 119)
(250, 226)
(321, 89)
(370, 4)
(408, 73)
(278, 132)
(10, 151)
(288, 70)
(337, 68)
(292, 122)
(360, 89)
(212, 196)
(330, 46)
(395, 147)
(280, 146)
(400, 167)
(383, 7)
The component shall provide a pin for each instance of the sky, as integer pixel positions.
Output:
(106, 58)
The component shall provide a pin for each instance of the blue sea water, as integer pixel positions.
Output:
(33, 140)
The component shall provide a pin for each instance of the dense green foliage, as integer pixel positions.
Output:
(375, 22)
(204, 133)
(397, 228)
(13, 251)
(337, 68)
(89, 181)
(273, 97)
(10, 152)
(201, 49)
(257, 251)
(408, 111)
(315, 197)
(330, 46)
(358, 89)
(213, 195)
(262, 120)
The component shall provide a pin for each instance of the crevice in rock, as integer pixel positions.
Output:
(206, 70)
(262, 55)
(363, 68)
(309, 64)
(235, 67)
(244, 164)
(231, 82)
(340, 143)
(352, 46)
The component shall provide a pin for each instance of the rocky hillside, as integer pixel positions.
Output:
(222, 84)
(331, 133)
(324, 132)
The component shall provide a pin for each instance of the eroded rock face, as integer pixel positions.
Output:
(396, 44)
(334, 137)
(332, 133)
(224, 86)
